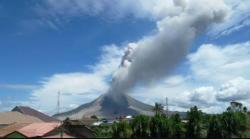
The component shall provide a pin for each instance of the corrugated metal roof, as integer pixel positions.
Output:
(11, 128)
(32, 112)
(59, 136)
(38, 129)
(84, 121)
(16, 117)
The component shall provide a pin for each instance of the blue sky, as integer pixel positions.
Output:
(42, 42)
(38, 50)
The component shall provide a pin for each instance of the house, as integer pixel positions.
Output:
(15, 135)
(32, 112)
(39, 130)
(7, 118)
(98, 123)
(34, 130)
(78, 129)
(20, 135)
(87, 121)
(64, 135)
(11, 128)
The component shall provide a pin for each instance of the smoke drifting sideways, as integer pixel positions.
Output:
(154, 57)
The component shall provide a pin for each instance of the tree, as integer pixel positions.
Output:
(176, 126)
(194, 117)
(158, 109)
(115, 130)
(121, 130)
(234, 120)
(103, 131)
(215, 129)
(228, 124)
(159, 126)
(140, 126)
(241, 126)
(236, 107)
(245, 109)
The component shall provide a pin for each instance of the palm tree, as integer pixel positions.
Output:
(121, 130)
(234, 122)
(140, 126)
(215, 128)
(158, 109)
(159, 126)
(245, 109)
(115, 130)
(176, 126)
(194, 117)
(241, 126)
(103, 131)
(229, 124)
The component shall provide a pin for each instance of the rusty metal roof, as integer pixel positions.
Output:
(38, 129)
(11, 128)
(16, 117)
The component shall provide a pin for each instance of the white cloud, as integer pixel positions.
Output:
(174, 80)
(77, 88)
(112, 8)
(225, 69)
(218, 64)
(56, 10)
(18, 86)
(235, 90)
(218, 74)
(204, 96)
(239, 18)
(68, 83)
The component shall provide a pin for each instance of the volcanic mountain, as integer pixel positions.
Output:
(107, 106)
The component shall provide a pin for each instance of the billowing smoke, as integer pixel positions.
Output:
(153, 57)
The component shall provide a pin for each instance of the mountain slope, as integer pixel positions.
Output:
(108, 107)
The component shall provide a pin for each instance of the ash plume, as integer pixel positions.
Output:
(153, 57)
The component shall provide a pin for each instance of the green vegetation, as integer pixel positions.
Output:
(103, 131)
(234, 122)
(177, 127)
(140, 126)
(121, 130)
(158, 109)
(194, 117)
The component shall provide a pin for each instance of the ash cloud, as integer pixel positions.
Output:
(154, 57)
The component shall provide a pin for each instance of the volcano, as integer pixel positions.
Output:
(107, 106)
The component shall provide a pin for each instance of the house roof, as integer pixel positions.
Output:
(38, 129)
(84, 121)
(11, 128)
(32, 112)
(88, 121)
(16, 117)
(59, 136)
